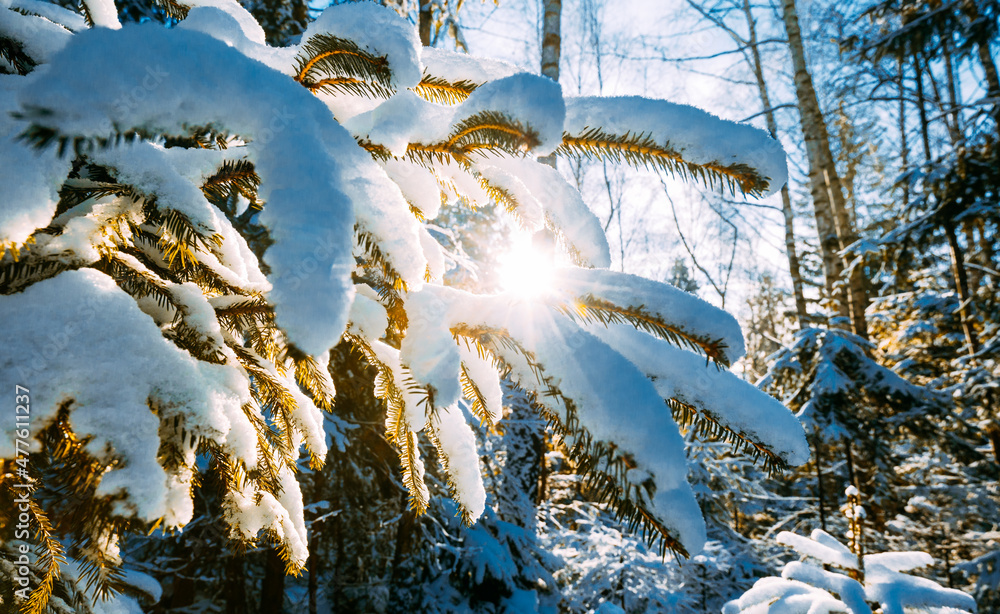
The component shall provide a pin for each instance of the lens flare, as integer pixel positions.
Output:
(528, 269)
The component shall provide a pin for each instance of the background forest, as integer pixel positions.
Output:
(868, 290)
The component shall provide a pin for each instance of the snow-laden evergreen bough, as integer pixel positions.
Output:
(844, 583)
(154, 166)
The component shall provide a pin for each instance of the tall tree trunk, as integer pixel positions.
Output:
(857, 292)
(904, 148)
(921, 108)
(975, 275)
(313, 576)
(833, 221)
(943, 106)
(992, 79)
(786, 201)
(272, 589)
(820, 491)
(986, 251)
(338, 535)
(989, 65)
(953, 95)
(236, 589)
(404, 532)
(962, 285)
(551, 51)
(852, 475)
(551, 38)
(426, 18)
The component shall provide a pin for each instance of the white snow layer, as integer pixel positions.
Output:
(458, 445)
(402, 119)
(418, 185)
(830, 554)
(368, 318)
(484, 375)
(228, 22)
(248, 25)
(781, 596)
(103, 13)
(74, 352)
(385, 215)
(697, 135)
(150, 168)
(53, 12)
(898, 592)
(29, 202)
(41, 38)
(432, 359)
(115, 603)
(434, 253)
(845, 587)
(248, 512)
(414, 413)
(296, 145)
(456, 67)
(528, 209)
(456, 183)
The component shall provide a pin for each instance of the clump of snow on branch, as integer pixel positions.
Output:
(807, 588)
(129, 368)
(697, 135)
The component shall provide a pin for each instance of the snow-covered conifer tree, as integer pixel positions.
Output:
(197, 218)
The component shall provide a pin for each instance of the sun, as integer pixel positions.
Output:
(528, 269)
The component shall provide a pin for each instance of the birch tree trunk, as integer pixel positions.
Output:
(551, 49)
(551, 38)
(833, 222)
(786, 202)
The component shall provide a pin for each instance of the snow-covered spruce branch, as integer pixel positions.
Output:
(442, 91)
(337, 66)
(605, 468)
(450, 77)
(805, 587)
(529, 340)
(672, 138)
(405, 413)
(639, 132)
(205, 257)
